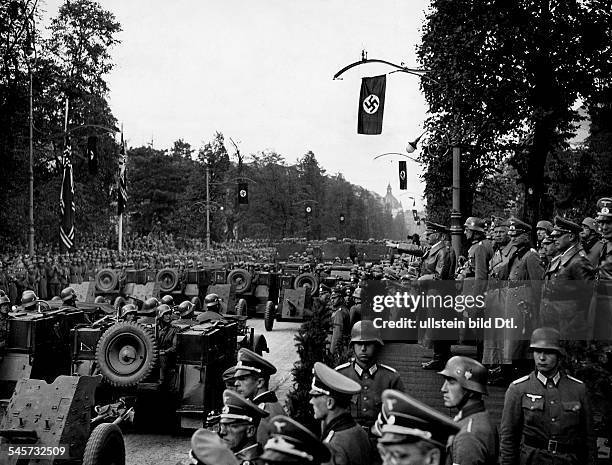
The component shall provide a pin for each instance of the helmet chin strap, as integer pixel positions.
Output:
(466, 396)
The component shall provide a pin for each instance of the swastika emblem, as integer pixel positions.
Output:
(243, 193)
(402, 175)
(370, 104)
(308, 209)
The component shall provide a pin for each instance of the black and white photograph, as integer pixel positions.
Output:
(321, 232)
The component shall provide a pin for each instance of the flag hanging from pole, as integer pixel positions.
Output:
(243, 193)
(402, 175)
(371, 105)
(67, 200)
(121, 185)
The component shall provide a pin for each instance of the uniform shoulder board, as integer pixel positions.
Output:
(520, 380)
(393, 370)
(582, 254)
(469, 425)
(533, 250)
(575, 379)
(329, 436)
(344, 365)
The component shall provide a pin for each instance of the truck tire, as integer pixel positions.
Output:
(307, 280)
(105, 446)
(241, 279)
(241, 307)
(126, 353)
(260, 345)
(167, 279)
(106, 280)
(269, 315)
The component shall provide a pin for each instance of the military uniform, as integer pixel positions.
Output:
(269, 402)
(546, 421)
(373, 381)
(476, 442)
(340, 325)
(250, 455)
(208, 449)
(348, 442)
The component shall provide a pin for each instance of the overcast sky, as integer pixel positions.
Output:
(260, 72)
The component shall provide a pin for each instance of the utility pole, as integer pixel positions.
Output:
(207, 207)
(456, 227)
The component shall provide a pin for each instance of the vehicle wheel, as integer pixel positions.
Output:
(269, 315)
(241, 307)
(167, 279)
(126, 353)
(260, 345)
(241, 279)
(105, 446)
(106, 280)
(307, 280)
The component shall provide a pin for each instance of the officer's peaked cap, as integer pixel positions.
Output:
(329, 382)
(250, 363)
(237, 409)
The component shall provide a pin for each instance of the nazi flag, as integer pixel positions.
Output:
(243, 193)
(402, 176)
(371, 105)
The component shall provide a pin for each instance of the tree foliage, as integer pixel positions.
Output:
(505, 77)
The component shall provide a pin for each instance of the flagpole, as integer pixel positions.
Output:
(120, 239)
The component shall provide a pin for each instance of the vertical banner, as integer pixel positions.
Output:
(371, 105)
(402, 175)
(122, 195)
(67, 201)
(308, 210)
(243, 193)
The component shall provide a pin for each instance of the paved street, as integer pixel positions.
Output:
(148, 449)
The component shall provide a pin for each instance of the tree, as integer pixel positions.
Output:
(505, 76)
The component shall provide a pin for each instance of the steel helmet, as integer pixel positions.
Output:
(100, 300)
(470, 374)
(28, 299)
(546, 225)
(475, 224)
(168, 300)
(357, 293)
(197, 304)
(68, 294)
(162, 310)
(546, 339)
(149, 306)
(185, 309)
(212, 300)
(364, 331)
(127, 309)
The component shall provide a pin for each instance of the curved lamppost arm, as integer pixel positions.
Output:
(396, 153)
(398, 68)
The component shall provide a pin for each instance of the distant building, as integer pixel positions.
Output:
(395, 207)
(391, 203)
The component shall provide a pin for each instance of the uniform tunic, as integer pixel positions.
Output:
(566, 293)
(341, 328)
(366, 405)
(476, 442)
(541, 416)
(348, 442)
(601, 313)
(269, 402)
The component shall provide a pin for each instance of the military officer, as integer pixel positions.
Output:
(252, 379)
(543, 229)
(239, 420)
(590, 240)
(340, 319)
(413, 433)
(372, 376)
(330, 397)
(547, 416)
(436, 266)
(566, 291)
(228, 378)
(601, 310)
(293, 443)
(208, 449)
(465, 382)
(166, 343)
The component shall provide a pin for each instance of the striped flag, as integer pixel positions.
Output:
(67, 200)
(121, 185)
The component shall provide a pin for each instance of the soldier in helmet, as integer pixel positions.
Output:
(355, 311)
(547, 414)
(168, 300)
(29, 301)
(197, 305)
(373, 377)
(148, 312)
(69, 297)
(129, 312)
(252, 380)
(590, 240)
(238, 425)
(465, 382)
(293, 443)
(213, 309)
(166, 344)
(543, 228)
(186, 312)
(601, 312)
(5, 307)
(340, 319)
(413, 433)
(330, 397)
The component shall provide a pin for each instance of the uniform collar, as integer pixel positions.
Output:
(544, 380)
(569, 253)
(246, 450)
(471, 410)
(373, 369)
(265, 397)
(340, 423)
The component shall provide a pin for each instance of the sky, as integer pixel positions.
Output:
(260, 72)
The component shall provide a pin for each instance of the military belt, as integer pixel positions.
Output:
(550, 445)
